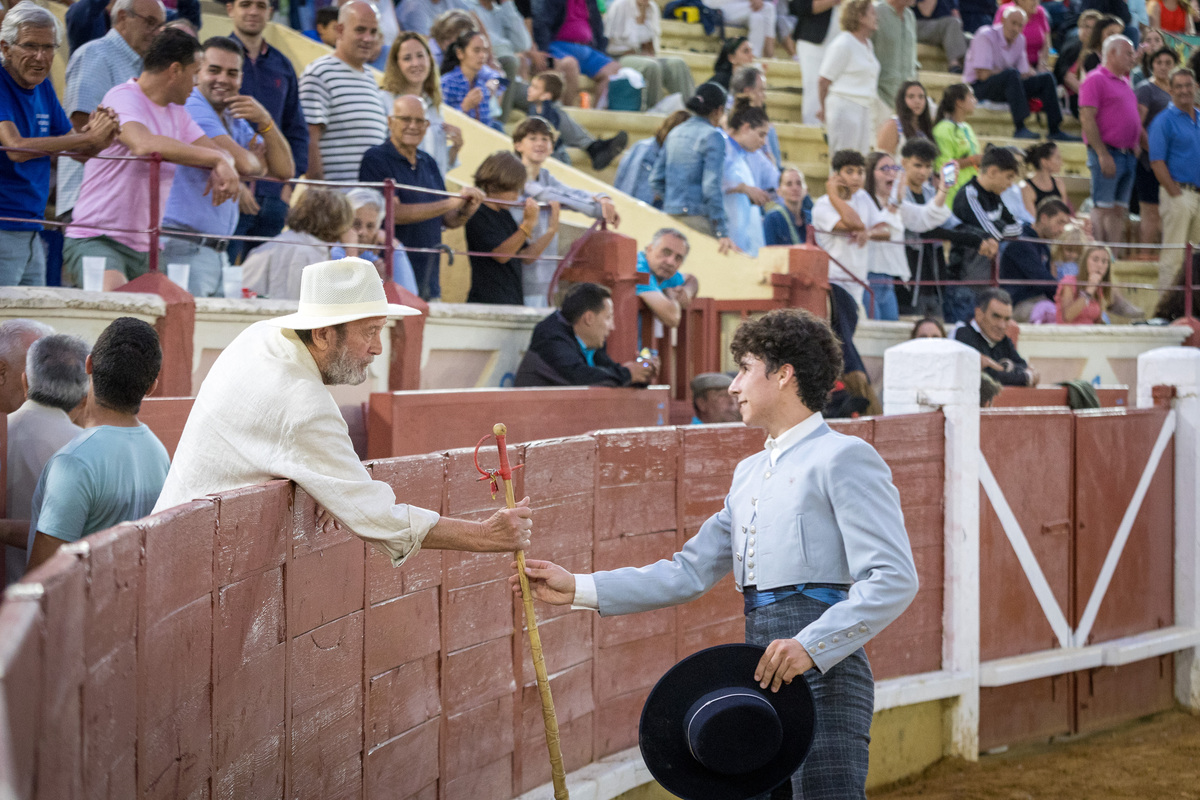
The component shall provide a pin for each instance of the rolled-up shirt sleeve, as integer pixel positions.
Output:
(319, 457)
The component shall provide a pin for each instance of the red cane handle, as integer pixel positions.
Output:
(501, 431)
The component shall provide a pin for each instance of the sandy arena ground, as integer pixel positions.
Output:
(1158, 757)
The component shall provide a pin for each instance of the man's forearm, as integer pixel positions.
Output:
(453, 534)
(76, 142)
(409, 213)
(44, 547)
(175, 151)
(316, 170)
(279, 154)
(15, 532)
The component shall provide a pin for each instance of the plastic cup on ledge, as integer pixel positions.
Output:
(231, 278)
(179, 274)
(93, 273)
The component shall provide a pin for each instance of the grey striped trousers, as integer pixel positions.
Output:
(836, 766)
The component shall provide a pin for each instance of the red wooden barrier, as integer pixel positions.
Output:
(459, 417)
(1024, 396)
(229, 648)
(1069, 495)
(166, 416)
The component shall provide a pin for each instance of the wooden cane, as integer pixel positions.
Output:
(549, 718)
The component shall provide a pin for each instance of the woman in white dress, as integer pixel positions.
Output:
(850, 80)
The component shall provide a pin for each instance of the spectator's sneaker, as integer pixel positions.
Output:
(1063, 136)
(954, 69)
(603, 151)
(1024, 133)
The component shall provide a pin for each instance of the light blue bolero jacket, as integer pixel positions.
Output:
(826, 512)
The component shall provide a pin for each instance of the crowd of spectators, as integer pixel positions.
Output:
(233, 123)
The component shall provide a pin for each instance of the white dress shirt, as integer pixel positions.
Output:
(263, 413)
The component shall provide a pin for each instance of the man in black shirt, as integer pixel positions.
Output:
(1030, 261)
(979, 208)
(988, 333)
(567, 348)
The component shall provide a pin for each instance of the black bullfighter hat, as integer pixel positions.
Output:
(708, 732)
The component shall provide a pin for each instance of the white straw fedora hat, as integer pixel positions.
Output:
(333, 292)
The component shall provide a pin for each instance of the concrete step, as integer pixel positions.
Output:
(677, 35)
(806, 143)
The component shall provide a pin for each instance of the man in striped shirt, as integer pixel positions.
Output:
(342, 103)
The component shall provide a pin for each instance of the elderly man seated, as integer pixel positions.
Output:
(669, 291)
(997, 68)
(567, 347)
(711, 399)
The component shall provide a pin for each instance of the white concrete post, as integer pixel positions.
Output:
(924, 375)
(1180, 367)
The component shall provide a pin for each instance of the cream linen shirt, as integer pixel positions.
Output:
(264, 413)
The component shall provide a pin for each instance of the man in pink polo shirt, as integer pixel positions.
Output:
(114, 199)
(1108, 113)
(997, 68)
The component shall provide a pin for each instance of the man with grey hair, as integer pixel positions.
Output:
(1112, 129)
(88, 20)
(345, 110)
(286, 424)
(32, 119)
(16, 337)
(57, 380)
(997, 67)
(369, 213)
(668, 291)
(97, 67)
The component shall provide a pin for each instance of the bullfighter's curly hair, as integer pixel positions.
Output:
(796, 337)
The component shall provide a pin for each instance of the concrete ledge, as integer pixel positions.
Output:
(601, 780)
(913, 689)
(1115, 653)
(42, 298)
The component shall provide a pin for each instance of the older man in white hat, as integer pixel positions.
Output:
(264, 412)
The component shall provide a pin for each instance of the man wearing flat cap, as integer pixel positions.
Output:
(711, 399)
(813, 533)
(264, 412)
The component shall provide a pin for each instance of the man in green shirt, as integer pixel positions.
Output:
(895, 42)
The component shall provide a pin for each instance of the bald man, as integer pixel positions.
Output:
(345, 111)
(420, 216)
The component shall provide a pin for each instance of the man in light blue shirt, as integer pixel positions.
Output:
(1174, 139)
(668, 291)
(240, 126)
(114, 470)
(814, 535)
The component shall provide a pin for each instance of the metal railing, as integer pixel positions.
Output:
(388, 188)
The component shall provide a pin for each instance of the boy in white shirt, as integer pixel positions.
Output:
(845, 219)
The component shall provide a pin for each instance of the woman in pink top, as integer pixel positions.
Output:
(1037, 32)
(1084, 306)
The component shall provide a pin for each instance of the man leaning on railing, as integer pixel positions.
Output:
(32, 120)
(114, 208)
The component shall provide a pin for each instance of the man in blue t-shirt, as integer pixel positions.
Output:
(669, 291)
(114, 470)
(32, 119)
(243, 128)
